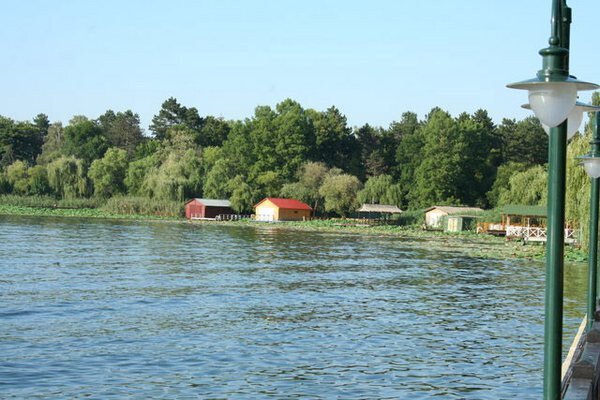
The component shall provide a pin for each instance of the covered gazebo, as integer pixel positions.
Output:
(383, 211)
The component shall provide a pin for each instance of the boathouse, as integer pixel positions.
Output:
(436, 216)
(207, 208)
(378, 211)
(276, 209)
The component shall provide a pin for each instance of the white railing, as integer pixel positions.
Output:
(535, 234)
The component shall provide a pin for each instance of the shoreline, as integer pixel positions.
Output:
(466, 243)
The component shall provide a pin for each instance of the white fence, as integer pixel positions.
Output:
(536, 234)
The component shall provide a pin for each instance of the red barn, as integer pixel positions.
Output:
(207, 208)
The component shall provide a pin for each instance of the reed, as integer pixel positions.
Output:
(143, 206)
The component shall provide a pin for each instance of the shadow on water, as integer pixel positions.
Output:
(142, 309)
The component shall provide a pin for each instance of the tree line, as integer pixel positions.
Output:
(285, 151)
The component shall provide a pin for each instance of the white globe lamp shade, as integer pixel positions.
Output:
(552, 102)
(573, 122)
(592, 166)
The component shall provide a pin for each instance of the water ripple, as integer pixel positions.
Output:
(153, 310)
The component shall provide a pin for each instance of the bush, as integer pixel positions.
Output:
(48, 202)
(412, 218)
(143, 206)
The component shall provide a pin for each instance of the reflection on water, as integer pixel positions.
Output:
(155, 310)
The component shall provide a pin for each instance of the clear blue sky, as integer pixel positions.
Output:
(372, 59)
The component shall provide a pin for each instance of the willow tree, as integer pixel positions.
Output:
(577, 205)
(381, 190)
(108, 173)
(529, 187)
(67, 177)
(339, 193)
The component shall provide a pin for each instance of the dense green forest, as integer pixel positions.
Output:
(288, 151)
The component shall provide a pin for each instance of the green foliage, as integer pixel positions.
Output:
(177, 178)
(334, 141)
(214, 132)
(381, 190)
(242, 197)
(136, 174)
(577, 207)
(108, 173)
(129, 205)
(524, 141)
(311, 176)
(67, 177)
(38, 183)
(339, 193)
(53, 143)
(414, 218)
(457, 160)
(437, 176)
(121, 130)
(501, 184)
(24, 180)
(84, 139)
(216, 184)
(35, 201)
(17, 176)
(173, 114)
(5, 187)
(527, 188)
(20, 141)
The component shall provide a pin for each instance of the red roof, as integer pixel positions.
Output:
(288, 204)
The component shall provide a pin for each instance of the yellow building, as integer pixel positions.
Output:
(274, 209)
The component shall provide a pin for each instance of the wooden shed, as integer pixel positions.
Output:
(276, 209)
(378, 210)
(207, 208)
(436, 215)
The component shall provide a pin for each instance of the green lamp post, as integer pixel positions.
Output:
(552, 96)
(591, 163)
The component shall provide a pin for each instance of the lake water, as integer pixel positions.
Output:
(165, 310)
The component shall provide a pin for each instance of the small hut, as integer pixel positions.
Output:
(207, 208)
(436, 216)
(275, 209)
(378, 211)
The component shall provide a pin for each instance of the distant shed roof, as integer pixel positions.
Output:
(455, 210)
(214, 202)
(380, 208)
(529, 211)
(288, 204)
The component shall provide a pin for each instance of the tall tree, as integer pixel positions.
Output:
(67, 177)
(172, 113)
(380, 190)
(122, 130)
(108, 173)
(339, 193)
(524, 141)
(19, 141)
(436, 176)
(528, 187)
(84, 140)
(334, 141)
(53, 144)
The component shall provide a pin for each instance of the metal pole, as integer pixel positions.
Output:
(557, 154)
(593, 244)
(554, 262)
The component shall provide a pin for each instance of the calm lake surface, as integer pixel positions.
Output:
(117, 309)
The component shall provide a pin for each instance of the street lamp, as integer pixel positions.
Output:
(591, 163)
(574, 118)
(552, 95)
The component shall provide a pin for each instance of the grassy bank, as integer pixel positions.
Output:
(467, 243)
(75, 212)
